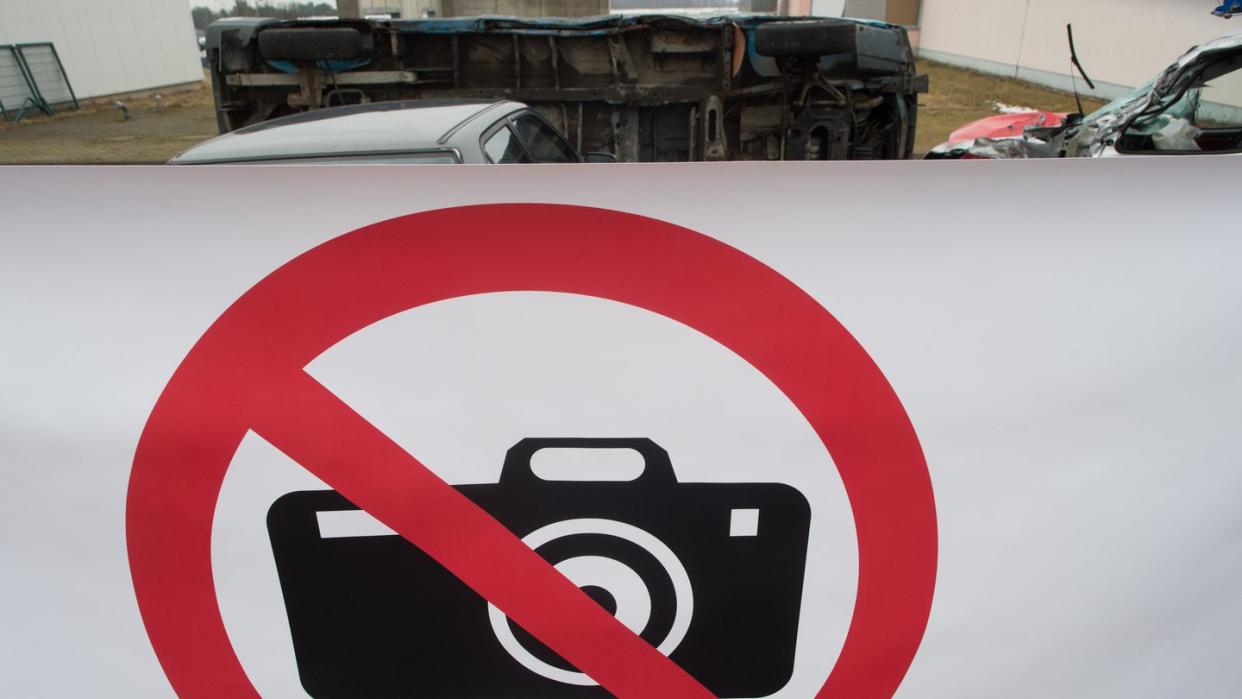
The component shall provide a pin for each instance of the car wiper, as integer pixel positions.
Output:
(1074, 62)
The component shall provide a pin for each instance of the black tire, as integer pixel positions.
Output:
(821, 37)
(311, 44)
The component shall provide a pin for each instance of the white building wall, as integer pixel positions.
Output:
(1121, 43)
(828, 8)
(110, 46)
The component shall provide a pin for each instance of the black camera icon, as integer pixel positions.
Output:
(710, 574)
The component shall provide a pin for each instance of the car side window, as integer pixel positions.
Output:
(1220, 101)
(543, 142)
(1207, 117)
(503, 147)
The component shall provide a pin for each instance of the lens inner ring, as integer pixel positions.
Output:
(626, 587)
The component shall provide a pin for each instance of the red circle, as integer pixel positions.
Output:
(350, 282)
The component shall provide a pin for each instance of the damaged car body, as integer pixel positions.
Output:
(1167, 115)
(647, 88)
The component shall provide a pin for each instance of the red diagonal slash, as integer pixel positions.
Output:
(323, 434)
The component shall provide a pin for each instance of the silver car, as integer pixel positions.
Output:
(430, 132)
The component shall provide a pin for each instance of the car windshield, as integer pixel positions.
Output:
(1123, 100)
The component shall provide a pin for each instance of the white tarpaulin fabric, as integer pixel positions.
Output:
(803, 356)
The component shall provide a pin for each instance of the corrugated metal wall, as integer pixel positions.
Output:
(110, 46)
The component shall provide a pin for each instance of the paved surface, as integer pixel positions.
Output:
(98, 134)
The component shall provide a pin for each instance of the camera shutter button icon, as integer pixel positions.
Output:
(622, 583)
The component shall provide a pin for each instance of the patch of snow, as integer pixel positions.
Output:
(1011, 109)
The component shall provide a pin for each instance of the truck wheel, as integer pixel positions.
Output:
(822, 37)
(311, 44)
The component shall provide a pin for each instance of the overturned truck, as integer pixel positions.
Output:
(648, 88)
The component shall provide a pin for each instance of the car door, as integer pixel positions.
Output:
(525, 137)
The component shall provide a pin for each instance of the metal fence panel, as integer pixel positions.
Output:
(15, 90)
(32, 76)
(45, 69)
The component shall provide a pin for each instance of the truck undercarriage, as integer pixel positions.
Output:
(651, 88)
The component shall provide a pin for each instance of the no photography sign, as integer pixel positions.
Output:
(368, 275)
(586, 431)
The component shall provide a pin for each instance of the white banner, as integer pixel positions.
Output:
(736, 430)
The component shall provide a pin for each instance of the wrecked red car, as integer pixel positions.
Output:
(1189, 108)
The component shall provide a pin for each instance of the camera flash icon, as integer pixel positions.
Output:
(744, 522)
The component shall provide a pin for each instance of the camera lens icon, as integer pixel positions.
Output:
(618, 582)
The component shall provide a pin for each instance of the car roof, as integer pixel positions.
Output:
(377, 127)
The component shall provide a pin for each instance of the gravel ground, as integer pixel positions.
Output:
(98, 134)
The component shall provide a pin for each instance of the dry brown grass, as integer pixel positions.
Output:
(97, 133)
(959, 96)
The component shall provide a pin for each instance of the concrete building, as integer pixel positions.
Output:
(904, 12)
(399, 9)
(419, 9)
(110, 47)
